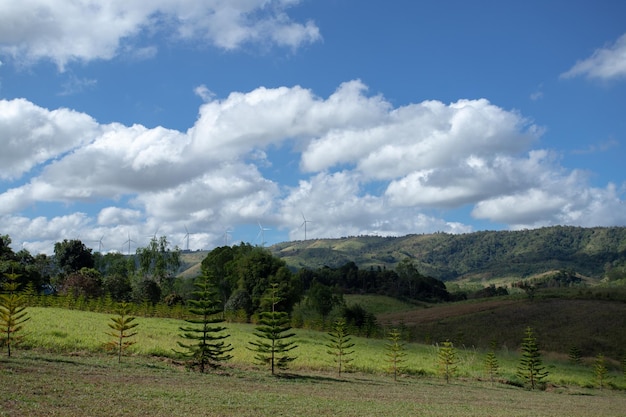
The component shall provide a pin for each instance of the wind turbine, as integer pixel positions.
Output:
(262, 234)
(226, 233)
(100, 244)
(128, 241)
(304, 224)
(187, 239)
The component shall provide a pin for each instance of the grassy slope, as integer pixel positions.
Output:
(79, 380)
(595, 326)
(37, 384)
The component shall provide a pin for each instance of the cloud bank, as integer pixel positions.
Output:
(358, 165)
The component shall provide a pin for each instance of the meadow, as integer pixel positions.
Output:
(62, 369)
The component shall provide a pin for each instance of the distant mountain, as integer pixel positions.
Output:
(591, 252)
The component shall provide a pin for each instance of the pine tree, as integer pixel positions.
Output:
(448, 360)
(575, 355)
(491, 365)
(272, 345)
(339, 344)
(530, 367)
(121, 327)
(12, 311)
(395, 352)
(207, 346)
(600, 370)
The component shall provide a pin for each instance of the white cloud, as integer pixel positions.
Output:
(336, 205)
(367, 168)
(65, 31)
(566, 200)
(109, 216)
(32, 135)
(605, 63)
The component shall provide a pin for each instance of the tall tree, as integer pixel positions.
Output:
(72, 255)
(86, 282)
(159, 263)
(272, 345)
(12, 311)
(121, 330)
(530, 367)
(207, 346)
(339, 344)
(396, 353)
(323, 298)
(250, 269)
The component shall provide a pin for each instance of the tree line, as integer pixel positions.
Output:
(243, 273)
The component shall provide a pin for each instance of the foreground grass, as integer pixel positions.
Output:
(36, 383)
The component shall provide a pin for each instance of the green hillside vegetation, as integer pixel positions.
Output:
(481, 256)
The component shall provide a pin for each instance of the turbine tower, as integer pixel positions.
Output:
(100, 246)
(128, 241)
(227, 232)
(304, 223)
(261, 234)
(187, 239)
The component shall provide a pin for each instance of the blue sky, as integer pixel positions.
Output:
(207, 121)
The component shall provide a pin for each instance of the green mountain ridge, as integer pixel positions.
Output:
(479, 256)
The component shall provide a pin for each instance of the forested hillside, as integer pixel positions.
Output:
(592, 252)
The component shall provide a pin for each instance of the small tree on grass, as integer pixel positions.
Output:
(121, 330)
(396, 354)
(492, 367)
(272, 345)
(447, 359)
(12, 311)
(340, 344)
(600, 370)
(575, 355)
(530, 367)
(207, 346)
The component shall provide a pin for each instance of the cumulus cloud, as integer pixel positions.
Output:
(366, 167)
(66, 31)
(32, 135)
(604, 64)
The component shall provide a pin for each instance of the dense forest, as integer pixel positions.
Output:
(598, 252)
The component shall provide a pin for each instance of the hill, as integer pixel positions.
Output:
(486, 255)
(592, 322)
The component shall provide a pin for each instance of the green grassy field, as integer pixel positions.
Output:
(44, 384)
(61, 369)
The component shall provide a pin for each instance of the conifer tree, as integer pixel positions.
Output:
(448, 360)
(340, 344)
(492, 366)
(12, 311)
(121, 330)
(272, 344)
(395, 352)
(207, 346)
(600, 370)
(575, 355)
(530, 367)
